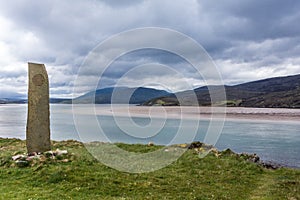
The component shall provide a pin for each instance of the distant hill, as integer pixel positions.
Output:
(12, 100)
(120, 95)
(279, 92)
(11, 97)
(22, 100)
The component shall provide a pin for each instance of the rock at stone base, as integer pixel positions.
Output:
(18, 157)
(33, 158)
(22, 163)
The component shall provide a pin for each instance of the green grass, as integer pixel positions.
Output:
(83, 177)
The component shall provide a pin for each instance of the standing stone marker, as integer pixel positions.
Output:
(38, 118)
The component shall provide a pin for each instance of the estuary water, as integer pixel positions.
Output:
(276, 139)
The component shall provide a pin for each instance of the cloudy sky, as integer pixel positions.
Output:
(247, 40)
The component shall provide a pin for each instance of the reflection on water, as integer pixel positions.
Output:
(278, 141)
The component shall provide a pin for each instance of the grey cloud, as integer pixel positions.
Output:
(12, 74)
(259, 19)
(121, 4)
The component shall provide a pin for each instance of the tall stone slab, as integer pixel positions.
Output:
(38, 116)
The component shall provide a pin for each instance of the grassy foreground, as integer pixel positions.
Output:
(79, 176)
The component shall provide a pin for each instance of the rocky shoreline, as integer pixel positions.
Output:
(201, 148)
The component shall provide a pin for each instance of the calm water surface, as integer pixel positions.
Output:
(273, 141)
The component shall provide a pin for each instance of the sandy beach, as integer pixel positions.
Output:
(191, 112)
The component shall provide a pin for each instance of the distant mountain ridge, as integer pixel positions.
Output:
(278, 92)
(116, 95)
